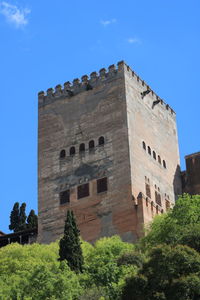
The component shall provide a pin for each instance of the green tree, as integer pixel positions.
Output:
(14, 218)
(171, 273)
(102, 268)
(33, 272)
(32, 220)
(181, 225)
(70, 244)
(22, 217)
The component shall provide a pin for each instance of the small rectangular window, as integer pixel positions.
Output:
(158, 198)
(148, 190)
(65, 197)
(102, 185)
(83, 190)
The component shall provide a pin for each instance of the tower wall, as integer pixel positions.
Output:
(115, 105)
(76, 114)
(152, 122)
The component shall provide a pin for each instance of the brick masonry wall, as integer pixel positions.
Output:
(109, 105)
(70, 121)
(156, 126)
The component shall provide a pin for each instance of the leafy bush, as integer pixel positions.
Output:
(168, 274)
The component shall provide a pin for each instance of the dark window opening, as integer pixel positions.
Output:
(164, 164)
(101, 141)
(91, 145)
(147, 202)
(65, 197)
(157, 209)
(144, 145)
(158, 198)
(83, 190)
(82, 147)
(149, 150)
(72, 151)
(148, 190)
(167, 204)
(154, 154)
(159, 159)
(62, 153)
(151, 205)
(102, 185)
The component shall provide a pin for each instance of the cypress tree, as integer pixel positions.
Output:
(14, 218)
(70, 244)
(22, 217)
(32, 220)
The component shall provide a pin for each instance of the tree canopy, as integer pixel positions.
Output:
(181, 225)
(168, 274)
(19, 220)
(164, 265)
(70, 244)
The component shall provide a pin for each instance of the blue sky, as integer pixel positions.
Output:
(44, 43)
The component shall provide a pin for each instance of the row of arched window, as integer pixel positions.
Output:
(82, 147)
(150, 152)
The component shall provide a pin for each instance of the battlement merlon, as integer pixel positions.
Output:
(77, 86)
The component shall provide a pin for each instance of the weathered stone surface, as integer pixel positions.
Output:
(112, 108)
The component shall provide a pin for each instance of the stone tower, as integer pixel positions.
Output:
(108, 150)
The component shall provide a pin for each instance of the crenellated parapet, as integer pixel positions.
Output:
(146, 90)
(87, 83)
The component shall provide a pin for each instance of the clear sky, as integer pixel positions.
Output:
(44, 43)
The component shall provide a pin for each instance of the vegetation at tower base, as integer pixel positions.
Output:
(171, 273)
(33, 272)
(181, 225)
(161, 266)
(70, 244)
(18, 218)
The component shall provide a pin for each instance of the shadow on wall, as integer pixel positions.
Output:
(177, 183)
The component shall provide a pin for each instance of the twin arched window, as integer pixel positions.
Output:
(154, 154)
(91, 144)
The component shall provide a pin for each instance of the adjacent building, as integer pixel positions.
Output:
(191, 177)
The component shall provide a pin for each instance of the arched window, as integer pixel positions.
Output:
(144, 145)
(62, 153)
(159, 159)
(164, 164)
(101, 141)
(149, 150)
(91, 145)
(82, 147)
(154, 154)
(72, 151)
